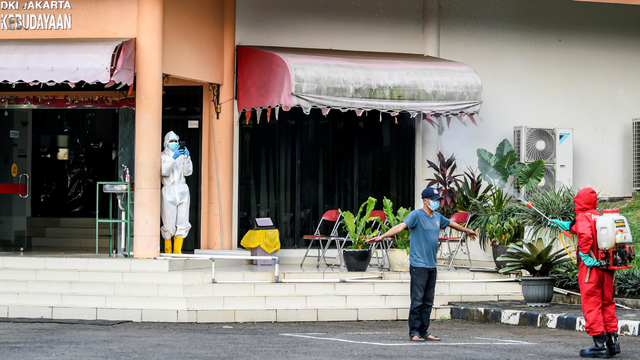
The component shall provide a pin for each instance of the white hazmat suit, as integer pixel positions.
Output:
(175, 195)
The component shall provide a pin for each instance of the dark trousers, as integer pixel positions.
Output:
(423, 288)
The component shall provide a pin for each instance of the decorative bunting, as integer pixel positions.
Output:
(359, 112)
(448, 122)
(286, 108)
(427, 116)
(258, 113)
(268, 114)
(277, 110)
(325, 111)
(247, 115)
(472, 119)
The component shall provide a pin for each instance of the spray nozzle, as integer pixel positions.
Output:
(529, 204)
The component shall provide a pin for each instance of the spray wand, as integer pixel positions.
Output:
(530, 205)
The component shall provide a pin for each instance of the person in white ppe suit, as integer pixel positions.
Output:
(176, 164)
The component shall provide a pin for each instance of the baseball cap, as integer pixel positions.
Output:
(431, 193)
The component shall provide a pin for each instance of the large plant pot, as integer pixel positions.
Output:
(399, 260)
(537, 291)
(356, 260)
(499, 250)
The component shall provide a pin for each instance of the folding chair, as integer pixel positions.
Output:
(384, 244)
(461, 218)
(329, 216)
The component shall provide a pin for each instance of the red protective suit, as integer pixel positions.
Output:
(598, 307)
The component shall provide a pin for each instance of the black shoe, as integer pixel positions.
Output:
(613, 344)
(600, 350)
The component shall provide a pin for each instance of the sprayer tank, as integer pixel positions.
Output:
(612, 229)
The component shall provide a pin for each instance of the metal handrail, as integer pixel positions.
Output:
(213, 258)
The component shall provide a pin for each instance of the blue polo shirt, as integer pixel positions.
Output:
(425, 231)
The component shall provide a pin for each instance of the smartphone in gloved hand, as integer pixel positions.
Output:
(182, 145)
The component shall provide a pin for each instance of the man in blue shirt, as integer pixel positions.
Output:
(424, 225)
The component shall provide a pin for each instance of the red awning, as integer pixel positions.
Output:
(332, 79)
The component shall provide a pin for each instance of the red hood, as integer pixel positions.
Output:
(586, 201)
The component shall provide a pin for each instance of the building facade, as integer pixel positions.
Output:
(548, 64)
(74, 114)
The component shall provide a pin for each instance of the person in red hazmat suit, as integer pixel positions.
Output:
(598, 308)
(176, 164)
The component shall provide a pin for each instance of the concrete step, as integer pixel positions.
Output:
(222, 302)
(77, 242)
(195, 284)
(181, 290)
(64, 222)
(213, 316)
(65, 233)
(101, 264)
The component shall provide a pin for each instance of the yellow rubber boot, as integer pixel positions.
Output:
(167, 246)
(177, 245)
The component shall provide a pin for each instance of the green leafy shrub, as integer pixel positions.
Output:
(567, 277)
(472, 192)
(555, 203)
(628, 282)
(356, 225)
(504, 232)
(535, 257)
(402, 239)
(507, 176)
(447, 181)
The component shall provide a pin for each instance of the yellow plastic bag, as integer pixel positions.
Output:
(268, 240)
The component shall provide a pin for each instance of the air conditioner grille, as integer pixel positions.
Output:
(636, 154)
(517, 139)
(540, 144)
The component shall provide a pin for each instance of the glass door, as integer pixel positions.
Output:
(14, 179)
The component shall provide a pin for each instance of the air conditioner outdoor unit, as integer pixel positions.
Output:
(554, 146)
(635, 153)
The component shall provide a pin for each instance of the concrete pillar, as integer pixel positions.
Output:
(224, 130)
(428, 142)
(148, 128)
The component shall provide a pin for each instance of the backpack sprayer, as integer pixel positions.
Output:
(613, 236)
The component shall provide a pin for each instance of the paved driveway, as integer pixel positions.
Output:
(322, 340)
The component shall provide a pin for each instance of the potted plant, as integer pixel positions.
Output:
(358, 255)
(501, 234)
(536, 258)
(399, 251)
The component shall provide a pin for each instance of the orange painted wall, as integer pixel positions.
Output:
(198, 49)
(90, 19)
(192, 40)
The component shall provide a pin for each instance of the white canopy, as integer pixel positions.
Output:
(61, 61)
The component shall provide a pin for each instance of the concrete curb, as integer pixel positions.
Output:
(527, 318)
